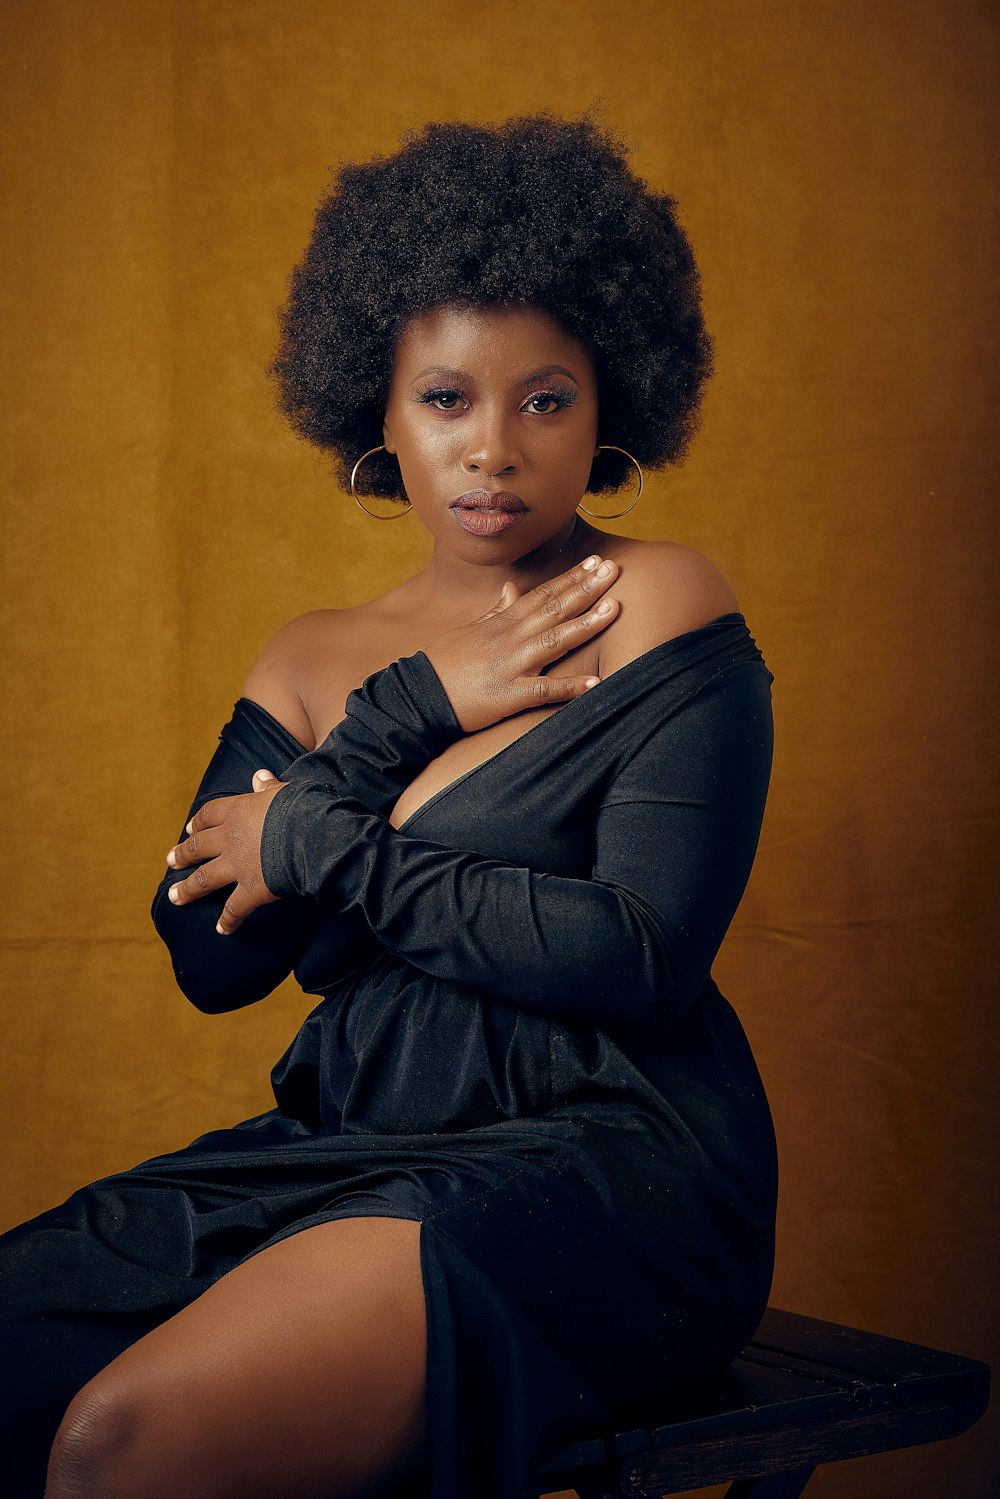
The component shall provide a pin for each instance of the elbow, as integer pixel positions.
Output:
(614, 986)
(208, 971)
(212, 994)
(658, 990)
(618, 970)
(664, 1000)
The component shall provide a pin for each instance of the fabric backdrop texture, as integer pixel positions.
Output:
(834, 167)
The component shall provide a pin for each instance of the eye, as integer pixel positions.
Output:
(547, 402)
(443, 400)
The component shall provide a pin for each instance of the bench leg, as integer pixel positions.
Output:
(788, 1485)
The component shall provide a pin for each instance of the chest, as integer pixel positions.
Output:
(327, 698)
(532, 803)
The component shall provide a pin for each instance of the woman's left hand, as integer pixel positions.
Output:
(224, 842)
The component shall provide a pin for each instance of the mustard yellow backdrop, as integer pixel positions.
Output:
(833, 163)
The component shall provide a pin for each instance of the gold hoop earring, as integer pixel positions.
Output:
(610, 447)
(373, 513)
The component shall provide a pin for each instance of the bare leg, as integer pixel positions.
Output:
(301, 1373)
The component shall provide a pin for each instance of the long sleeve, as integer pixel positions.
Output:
(675, 839)
(397, 721)
(219, 973)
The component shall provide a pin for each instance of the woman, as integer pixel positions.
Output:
(520, 1178)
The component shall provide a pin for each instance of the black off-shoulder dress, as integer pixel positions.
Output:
(519, 1044)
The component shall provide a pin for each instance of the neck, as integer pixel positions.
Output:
(462, 591)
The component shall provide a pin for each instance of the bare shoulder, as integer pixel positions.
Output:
(282, 677)
(665, 588)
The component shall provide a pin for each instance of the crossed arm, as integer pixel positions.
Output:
(675, 839)
(675, 835)
(396, 722)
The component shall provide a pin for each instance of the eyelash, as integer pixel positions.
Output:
(562, 397)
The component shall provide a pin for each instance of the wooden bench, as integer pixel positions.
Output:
(803, 1392)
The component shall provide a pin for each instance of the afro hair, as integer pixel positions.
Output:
(536, 210)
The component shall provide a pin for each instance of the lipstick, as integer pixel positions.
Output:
(486, 512)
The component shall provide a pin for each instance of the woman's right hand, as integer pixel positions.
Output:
(489, 668)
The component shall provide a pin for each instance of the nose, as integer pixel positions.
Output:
(491, 447)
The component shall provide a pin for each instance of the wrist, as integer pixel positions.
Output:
(277, 864)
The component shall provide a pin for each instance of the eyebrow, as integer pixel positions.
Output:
(532, 379)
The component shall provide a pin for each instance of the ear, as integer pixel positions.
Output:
(387, 437)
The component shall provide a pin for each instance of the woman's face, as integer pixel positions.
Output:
(495, 407)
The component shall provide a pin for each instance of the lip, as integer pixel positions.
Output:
(488, 512)
(490, 499)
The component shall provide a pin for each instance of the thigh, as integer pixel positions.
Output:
(301, 1372)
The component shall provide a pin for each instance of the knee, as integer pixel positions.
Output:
(94, 1452)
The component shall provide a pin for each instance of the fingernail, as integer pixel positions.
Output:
(173, 895)
(605, 607)
(591, 682)
(220, 929)
(171, 860)
(188, 827)
(589, 563)
(604, 570)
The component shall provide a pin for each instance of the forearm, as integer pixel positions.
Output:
(574, 948)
